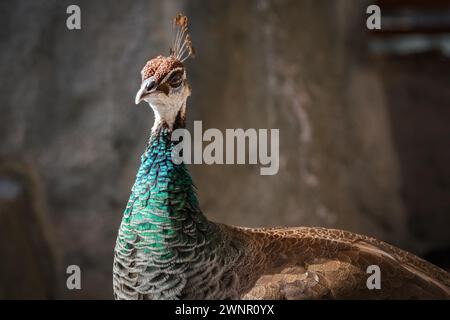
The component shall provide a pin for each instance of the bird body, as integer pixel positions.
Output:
(167, 249)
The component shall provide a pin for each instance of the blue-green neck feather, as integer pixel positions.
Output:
(162, 216)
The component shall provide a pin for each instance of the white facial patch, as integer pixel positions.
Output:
(167, 107)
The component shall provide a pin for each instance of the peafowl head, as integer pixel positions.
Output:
(164, 83)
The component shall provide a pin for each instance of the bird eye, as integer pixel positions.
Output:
(150, 85)
(175, 80)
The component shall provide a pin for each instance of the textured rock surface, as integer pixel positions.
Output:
(300, 66)
(29, 257)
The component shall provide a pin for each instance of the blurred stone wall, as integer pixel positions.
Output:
(67, 112)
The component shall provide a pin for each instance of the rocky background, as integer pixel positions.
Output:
(363, 136)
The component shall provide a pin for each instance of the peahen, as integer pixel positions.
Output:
(167, 249)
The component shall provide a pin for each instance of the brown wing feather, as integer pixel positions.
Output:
(317, 263)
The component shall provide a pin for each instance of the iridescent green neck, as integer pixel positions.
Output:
(163, 209)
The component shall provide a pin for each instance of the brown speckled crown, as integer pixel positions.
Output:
(159, 67)
(181, 49)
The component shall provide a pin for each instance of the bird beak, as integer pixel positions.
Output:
(147, 87)
(140, 94)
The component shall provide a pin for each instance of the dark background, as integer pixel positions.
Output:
(364, 121)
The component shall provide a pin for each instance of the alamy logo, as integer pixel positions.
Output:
(374, 20)
(237, 140)
(73, 21)
(374, 280)
(74, 279)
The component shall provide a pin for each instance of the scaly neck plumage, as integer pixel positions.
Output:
(163, 233)
(171, 204)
